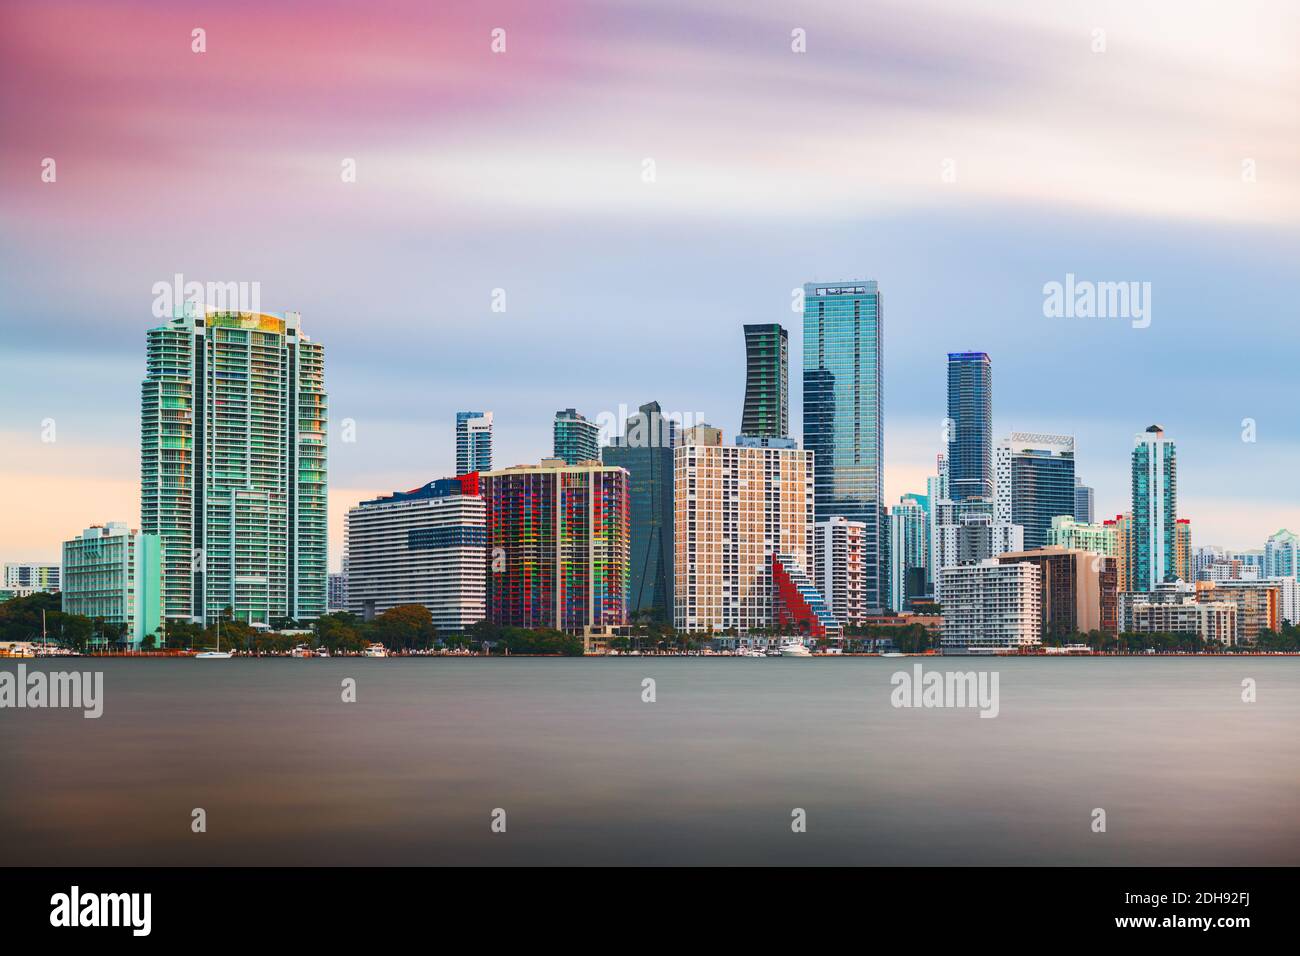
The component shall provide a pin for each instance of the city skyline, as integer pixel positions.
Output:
(721, 237)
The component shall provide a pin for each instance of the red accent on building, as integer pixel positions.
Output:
(468, 483)
(792, 611)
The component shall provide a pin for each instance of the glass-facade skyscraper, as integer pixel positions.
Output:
(576, 438)
(970, 425)
(1035, 482)
(767, 382)
(233, 477)
(1152, 544)
(645, 450)
(1084, 502)
(842, 421)
(473, 442)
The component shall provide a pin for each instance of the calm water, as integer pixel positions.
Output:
(709, 773)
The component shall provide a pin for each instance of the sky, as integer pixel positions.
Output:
(641, 178)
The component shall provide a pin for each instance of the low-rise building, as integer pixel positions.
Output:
(114, 573)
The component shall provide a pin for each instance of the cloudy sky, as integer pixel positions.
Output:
(962, 155)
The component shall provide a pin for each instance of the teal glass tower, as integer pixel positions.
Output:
(576, 438)
(1155, 510)
(842, 420)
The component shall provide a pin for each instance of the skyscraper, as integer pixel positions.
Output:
(425, 546)
(908, 550)
(970, 425)
(1035, 482)
(1084, 502)
(736, 510)
(645, 451)
(1282, 555)
(842, 418)
(233, 477)
(473, 442)
(767, 382)
(1155, 510)
(558, 542)
(936, 490)
(837, 566)
(576, 438)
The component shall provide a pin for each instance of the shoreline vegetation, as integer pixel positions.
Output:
(408, 631)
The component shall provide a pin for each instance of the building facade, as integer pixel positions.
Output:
(990, 605)
(473, 442)
(1067, 532)
(336, 598)
(645, 452)
(559, 542)
(970, 426)
(1035, 482)
(909, 534)
(843, 423)
(1155, 510)
(577, 439)
(233, 465)
(1258, 603)
(426, 546)
(735, 508)
(1282, 555)
(837, 568)
(766, 413)
(1084, 502)
(31, 576)
(114, 573)
(1171, 607)
(1078, 590)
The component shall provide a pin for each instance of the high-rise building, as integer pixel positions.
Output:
(1035, 482)
(767, 382)
(837, 568)
(1084, 502)
(645, 451)
(336, 598)
(1183, 549)
(473, 442)
(936, 488)
(1259, 605)
(1122, 526)
(736, 508)
(1282, 555)
(970, 425)
(233, 455)
(1078, 589)
(114, 573)
(31, 576)
(908, 550)
(559, 546)
(1155, 510)
(990, 605)
(842, 413)
(576, 438)
(425, 546)
(967, 532)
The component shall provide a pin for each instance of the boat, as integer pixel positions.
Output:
(375, 650)
(322, 651)
(218, 654)
(893, 654)
(301, 650)
(795, 649)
